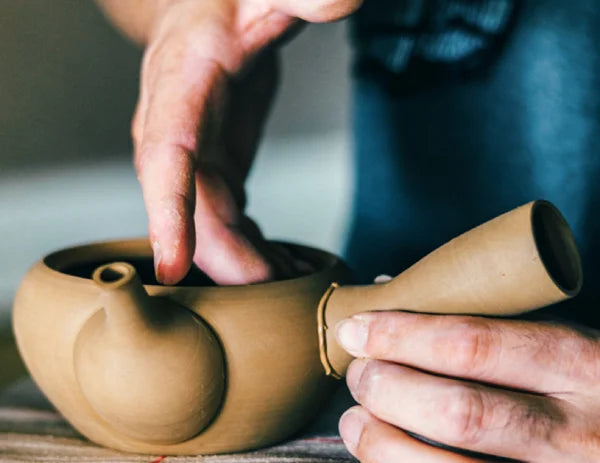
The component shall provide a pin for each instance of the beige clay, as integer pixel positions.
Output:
(197, 369)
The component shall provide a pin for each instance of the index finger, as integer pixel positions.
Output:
(166, 159)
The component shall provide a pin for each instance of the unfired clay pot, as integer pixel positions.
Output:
(197, 368)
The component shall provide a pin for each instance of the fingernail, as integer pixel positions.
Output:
(354, 375)
(352, 335)
(380, 279)
(351, 428)
(157, 258)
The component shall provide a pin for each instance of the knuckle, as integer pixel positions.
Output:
(190, 49)
(464, 412)
(569, 440)
(581, 358)
(592, 371)
(538, 421)
(471, 346)
(574, 355)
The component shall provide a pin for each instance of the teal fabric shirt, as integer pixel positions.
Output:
(489, 105)
(394, 32)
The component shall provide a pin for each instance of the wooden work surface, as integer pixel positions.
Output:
(31, 430)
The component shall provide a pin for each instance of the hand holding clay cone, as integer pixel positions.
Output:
(520, 261)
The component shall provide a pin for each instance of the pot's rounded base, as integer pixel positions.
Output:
(268, 333)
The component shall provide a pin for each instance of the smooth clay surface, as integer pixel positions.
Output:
(266, 352)
(519, 261)
(198, 369)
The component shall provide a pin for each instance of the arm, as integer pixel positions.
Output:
(207, 80)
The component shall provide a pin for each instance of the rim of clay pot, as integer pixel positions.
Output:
(556, 246)
(99, 254)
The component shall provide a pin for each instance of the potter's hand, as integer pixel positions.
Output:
(204, 96)
(517, 389)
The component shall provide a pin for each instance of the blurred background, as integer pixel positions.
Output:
(68, 86)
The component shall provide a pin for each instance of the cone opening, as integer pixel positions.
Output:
(556, 247)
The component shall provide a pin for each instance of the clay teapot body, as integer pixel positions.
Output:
(202, 369)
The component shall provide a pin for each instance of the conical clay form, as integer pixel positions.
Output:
(520, 261)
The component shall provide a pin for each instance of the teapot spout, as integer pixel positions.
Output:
(127, 306)
(152, 369)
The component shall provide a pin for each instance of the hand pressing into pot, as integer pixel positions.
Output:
(208, 76)
(521, 390)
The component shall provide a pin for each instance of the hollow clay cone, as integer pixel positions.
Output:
(147, 366)
(520, 261)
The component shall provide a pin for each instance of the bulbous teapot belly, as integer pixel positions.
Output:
(253, 373)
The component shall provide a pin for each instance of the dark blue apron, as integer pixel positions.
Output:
(466, 109)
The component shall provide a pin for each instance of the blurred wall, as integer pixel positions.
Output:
(68, 83)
